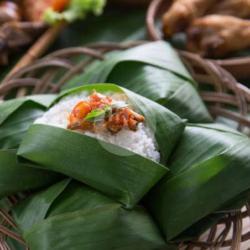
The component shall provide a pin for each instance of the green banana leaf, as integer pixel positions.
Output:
(146, 71)
(5, 204)
(206, 223)
(70, 215)
(15, 118)
(147, 53)
(16, 177)
(115, 171)
(114, 25)
(163, 87)
(17, 115)
(210, 168)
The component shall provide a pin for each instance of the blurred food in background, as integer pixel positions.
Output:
(182, 13)
(22, 21)
(17, 30)
(213, 28)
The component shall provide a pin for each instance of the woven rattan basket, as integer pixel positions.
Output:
(238, 66)
(48, 75)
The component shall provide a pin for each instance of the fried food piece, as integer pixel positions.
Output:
(123, 118)
(182, 13)
(78, 114)
(216, 35)
(237, 8)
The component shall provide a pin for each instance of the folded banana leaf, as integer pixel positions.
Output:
(114, 25)
(17, 115)
(15, 118)
(16, 177)
(206, 223)
(153, 70)
(70, 215)
(118, 172)
(210, 169)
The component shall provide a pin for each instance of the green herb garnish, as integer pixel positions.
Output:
(98, 114)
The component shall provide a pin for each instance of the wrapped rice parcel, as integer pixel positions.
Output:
(107, 137)
(15, 118)
(75, 216)
(155, 71)
(210, 173)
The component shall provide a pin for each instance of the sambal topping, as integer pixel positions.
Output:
(124, 117)
(102, 112)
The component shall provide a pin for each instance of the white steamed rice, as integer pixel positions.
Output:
(141, 141)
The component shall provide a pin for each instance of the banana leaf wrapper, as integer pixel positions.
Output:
(153, 70)
(16, 177)
(17, 115)
(211, 220)
(70, 215)
(15, 118)
(115, 171)
(210, 171)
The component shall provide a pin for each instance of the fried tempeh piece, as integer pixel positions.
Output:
(182, 13)
(216, 35)
(124, 118)
(238, 8)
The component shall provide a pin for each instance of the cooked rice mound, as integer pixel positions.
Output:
(141, 141)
